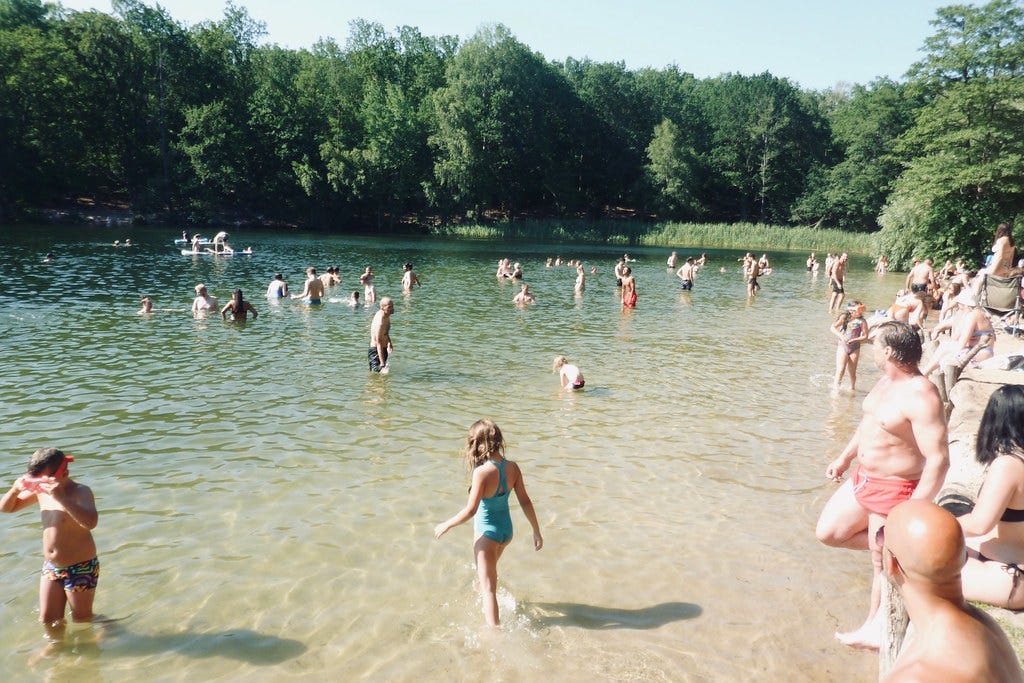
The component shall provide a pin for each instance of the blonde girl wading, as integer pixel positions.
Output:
(493, 478)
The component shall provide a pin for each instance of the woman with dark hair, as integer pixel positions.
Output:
(238, 307)
(995, 527)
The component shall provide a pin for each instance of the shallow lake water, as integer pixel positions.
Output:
(267, 505)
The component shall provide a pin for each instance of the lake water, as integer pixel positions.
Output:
(267, 505)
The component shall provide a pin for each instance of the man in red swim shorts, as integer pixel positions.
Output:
(902, 452)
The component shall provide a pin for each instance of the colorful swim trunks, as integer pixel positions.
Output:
(879, 494)
(78, 577)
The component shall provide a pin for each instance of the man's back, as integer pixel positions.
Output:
(958, 645)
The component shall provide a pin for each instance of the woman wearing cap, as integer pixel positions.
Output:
(968, 326)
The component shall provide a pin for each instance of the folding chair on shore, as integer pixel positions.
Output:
(1001, 295)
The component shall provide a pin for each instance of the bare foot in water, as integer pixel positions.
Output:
(867, 637)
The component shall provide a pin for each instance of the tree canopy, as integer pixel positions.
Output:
(194, 122)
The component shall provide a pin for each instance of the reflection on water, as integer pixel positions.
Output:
(267, 505)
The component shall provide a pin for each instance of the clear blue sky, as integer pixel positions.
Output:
(815, 43)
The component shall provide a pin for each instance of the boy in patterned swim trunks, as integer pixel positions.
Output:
(68, 509)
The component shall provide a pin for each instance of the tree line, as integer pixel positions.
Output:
(193, 122)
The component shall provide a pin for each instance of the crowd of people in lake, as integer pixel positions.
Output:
(896, 460)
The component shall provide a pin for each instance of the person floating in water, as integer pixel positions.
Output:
(569, 374)
(147, 306)
(71, 568)
(493, 478)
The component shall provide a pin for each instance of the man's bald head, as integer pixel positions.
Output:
(927, 542)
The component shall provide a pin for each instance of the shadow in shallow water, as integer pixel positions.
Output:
(593, 617)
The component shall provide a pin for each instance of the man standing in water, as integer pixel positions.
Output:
(901, 452)
(837, 280)
(380, 337)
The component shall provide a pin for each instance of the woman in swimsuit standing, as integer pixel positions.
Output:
(995, 527)
(852, 329)
(238, 307)
(494, 476)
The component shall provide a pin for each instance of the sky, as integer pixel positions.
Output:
(817, 44)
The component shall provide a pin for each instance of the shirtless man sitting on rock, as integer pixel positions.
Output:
(901, 451)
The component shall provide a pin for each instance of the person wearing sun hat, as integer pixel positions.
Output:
(968, 326)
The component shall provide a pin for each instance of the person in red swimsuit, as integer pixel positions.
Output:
(901, 451)
(628, 288)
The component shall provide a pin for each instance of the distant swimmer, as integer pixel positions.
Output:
(628, 288)
(568, 374)
(581, 280)
(369, 290)
(313, 291)
(673, 258)
(238, 307)
(409, 278)
(147, 306)
(494, 477)
(380, 337)
(71, 568)
(620, 265)
(203, 303)
(687, 273)
(354, 300)
(49, 257)
(524, 296)
(517, 271)
(278, 288)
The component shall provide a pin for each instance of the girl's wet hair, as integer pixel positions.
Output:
(1002, 424)
(483, 440)
(558, 363)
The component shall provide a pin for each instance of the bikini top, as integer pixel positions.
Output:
(1013, 514)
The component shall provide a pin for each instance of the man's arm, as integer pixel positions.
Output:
(838, 467)
(928, 423)
(80, 505)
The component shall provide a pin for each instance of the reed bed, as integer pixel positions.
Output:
(716, 236)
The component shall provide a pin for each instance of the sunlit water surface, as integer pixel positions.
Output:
(267, 505)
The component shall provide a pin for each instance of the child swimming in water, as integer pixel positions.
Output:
(852, 329)
(569, 374)
(494, 476)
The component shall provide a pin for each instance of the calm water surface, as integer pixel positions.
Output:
(267, 505)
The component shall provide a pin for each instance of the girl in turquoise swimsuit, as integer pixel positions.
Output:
(494, 476)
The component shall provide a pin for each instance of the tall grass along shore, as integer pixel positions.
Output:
(716, 236)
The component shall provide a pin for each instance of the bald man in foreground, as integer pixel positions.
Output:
(922, 554)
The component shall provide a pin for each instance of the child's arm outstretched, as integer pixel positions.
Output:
(475, 494)
(524, 502)
(17, 498)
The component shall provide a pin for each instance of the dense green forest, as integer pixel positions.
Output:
(196, 122)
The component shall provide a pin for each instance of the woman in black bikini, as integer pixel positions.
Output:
(995, 527)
